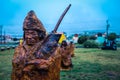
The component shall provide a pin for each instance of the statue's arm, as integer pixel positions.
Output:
(16, 65)
(44, 63)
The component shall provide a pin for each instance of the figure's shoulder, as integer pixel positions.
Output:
(19, 47)
(57, 50)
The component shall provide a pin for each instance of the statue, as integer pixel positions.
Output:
(38, 57)
(26, 66)
(66, 54)
(72, 47)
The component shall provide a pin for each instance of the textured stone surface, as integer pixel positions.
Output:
(29, 61)
(66, 51)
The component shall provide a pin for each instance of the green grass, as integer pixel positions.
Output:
(5, 64)
(94, 64)
(89, 64)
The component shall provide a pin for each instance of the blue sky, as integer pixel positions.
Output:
(84, 15)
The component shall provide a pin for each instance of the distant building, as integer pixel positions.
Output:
(75, 38)
(100, 40)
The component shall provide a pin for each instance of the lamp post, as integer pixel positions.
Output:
(4, 37)
(1, 32)
(107, 27)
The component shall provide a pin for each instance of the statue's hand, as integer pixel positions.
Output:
(33, 62)
(38, 63)
(30, 65)
(28, 68)
(44, 64)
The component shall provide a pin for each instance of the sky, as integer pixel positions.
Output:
(83, 15)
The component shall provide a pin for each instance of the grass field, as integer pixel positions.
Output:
(89, 64)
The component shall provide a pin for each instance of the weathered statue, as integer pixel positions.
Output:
(26, 64)
(38, 57)
(66, 62)
(72, 47)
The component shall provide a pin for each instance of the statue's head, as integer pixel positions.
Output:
(64, 43)
(34, 30)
